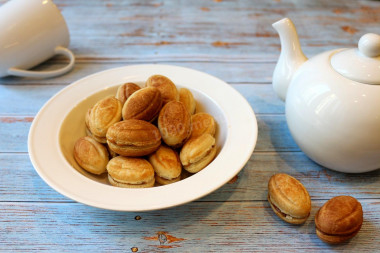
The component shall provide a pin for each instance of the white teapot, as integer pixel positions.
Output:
(332, 101)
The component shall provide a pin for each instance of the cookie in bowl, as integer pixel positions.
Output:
(187, 98)
(144, 104)
(289, 198)
(202, 123)
(104, 114)
(128, 172)
(125, 91)
(339, 219)
(91, 155)
(167, 88)
(166, 164)
(133, 137)
(88, 132)
(174, 123)
(198, 152)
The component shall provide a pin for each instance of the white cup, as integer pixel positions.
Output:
(32, 31)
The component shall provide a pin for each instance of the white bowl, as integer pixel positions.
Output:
(60, 122)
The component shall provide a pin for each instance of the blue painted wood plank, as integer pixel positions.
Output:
(25, 100)
(212, 28)
(129, 29)
(14, 133)
(195, 227)
(230, 71)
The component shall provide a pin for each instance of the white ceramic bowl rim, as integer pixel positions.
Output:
(53, 168)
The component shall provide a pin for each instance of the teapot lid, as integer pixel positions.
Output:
(360, 64)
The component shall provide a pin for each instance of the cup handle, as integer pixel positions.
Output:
(47, 74)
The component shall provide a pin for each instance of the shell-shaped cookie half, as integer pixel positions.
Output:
(104, 114)
(174, 123)
(91, 155)
(167, 88)
(125, 91)
(144, 104)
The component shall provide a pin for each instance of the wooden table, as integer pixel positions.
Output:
(232, 40)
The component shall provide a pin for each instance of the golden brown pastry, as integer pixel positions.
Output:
(130, 172)
(91, 155)
(197, 153)
(289, 199)
(133, 137)
(202, 123)
(174, 123)
(187, 98)
(105, 113)
(87, 122)
(126, 90)
(88, 132)
(339, 219)
(144, 104)
(166, 164)
(167, 88)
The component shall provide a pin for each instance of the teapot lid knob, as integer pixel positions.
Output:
(369, 45)
(360, 64)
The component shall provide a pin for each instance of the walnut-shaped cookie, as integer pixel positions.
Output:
(144, 104)
(104, 114)
(91, 155)
(125, 91)
(130, 172)
(289, 198)
(197, 153)
(202, 123)
(187, 98)
(133, 137)
(167, 88)
(166, 164)
(174, 123)
(339, 219)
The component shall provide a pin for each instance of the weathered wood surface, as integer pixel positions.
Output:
(232, 40)
(209, 30)
(195, 227)
(229, 71)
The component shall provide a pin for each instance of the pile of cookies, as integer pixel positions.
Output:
(338, 220)
(146, 136)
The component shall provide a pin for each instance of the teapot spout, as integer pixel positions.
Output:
(291, 56)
